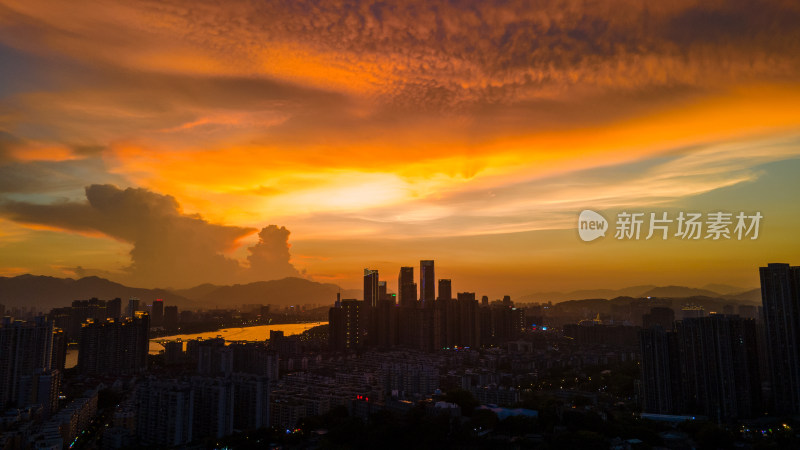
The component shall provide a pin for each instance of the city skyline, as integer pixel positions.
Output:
(156, 145)
(720, 364)
(369, 224)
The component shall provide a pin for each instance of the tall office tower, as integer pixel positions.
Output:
(659, 316)
(406, 287)
(371, 294)
(661, 371)
(383, 292)
(25, 349)
(133, 306)
(171, 319)
(720, 366)
(114, 346)
(780, 294)
(346, 324)
(213, 407)
(114, 308)
(157, 314)
(445, 289)
(427, 283)
(165, 412)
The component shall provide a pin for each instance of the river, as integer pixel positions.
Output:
(255, 333)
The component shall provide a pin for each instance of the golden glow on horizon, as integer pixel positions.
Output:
(285, 184)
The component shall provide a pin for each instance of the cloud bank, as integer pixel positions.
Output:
(170, 248)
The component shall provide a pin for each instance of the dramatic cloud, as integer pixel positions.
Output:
(269, 259)
(170, 248)
(426, 53)
(379, 121)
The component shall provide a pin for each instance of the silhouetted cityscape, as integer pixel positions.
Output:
(399, 224)
(620, 373)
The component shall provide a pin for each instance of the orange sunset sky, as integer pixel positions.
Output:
(155, 142)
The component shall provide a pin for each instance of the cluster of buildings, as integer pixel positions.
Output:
(72, 318)
(423, 318)
(390, 352)
(726, 366)
(31, 365)
(176, 411)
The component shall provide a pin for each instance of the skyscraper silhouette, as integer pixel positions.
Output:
(780, 294)
(708, 366)
(445, 289)
(427, 282)
(157, 313)
(406, 287)
(371, 292)
(719, 366)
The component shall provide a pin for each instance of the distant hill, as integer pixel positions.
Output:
(633, 291)
(752, 296)
(284, 292)
(725, 289)
(731, 293)
(197, 292)
(589, 307)
(678, 292)
(51, 292)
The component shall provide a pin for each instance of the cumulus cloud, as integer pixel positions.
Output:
(170, 248)
(269, 258)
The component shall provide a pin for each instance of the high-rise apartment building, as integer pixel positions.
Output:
(707, 366)
(25, 350)
(165, 412)
(427, 283)
(114, 346)
(346, 324)
(780, 295)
